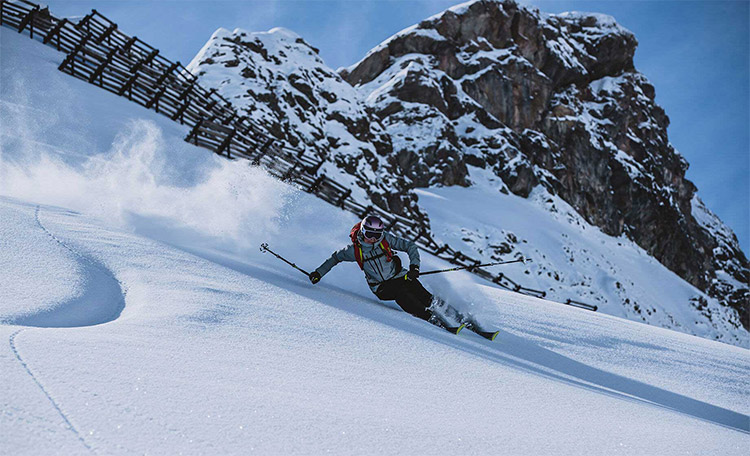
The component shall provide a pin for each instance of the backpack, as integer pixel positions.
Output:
(358, 247)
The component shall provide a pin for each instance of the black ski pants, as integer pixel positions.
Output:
(410, 295)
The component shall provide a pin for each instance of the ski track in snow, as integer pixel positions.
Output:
(102, 300)
(63, 415)
(86, 259)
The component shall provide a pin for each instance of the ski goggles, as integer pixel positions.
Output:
(373, 234)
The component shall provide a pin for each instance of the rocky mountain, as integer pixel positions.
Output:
(546, 107)
(278, 80)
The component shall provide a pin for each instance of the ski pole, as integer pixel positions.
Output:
(264, 248)
(458, 268)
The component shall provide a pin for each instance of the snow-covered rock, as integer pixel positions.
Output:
(280, 82)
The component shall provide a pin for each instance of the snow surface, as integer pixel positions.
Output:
(205, 345)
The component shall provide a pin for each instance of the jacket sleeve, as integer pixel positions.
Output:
(345, 254)
(404, 245)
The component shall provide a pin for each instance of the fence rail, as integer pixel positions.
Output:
(98, 52)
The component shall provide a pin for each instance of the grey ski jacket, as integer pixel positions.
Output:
(377, 270)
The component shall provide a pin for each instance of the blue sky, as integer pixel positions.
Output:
(696, 53)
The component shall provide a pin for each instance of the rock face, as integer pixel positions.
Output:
(278, 80)
(556, 101)
(548, 105)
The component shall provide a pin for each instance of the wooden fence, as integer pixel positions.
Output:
(99, 53)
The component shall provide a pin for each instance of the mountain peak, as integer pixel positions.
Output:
(565, 47)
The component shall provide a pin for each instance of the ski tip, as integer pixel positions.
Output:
(458, 330)
(489, 335)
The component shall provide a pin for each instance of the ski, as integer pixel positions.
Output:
(486, 334)
(442, 313)
(490, 335)
(440, 322)
(474, 327)
(454, 329)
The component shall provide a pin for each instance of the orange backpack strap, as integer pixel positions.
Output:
(358, 256)
(357, 247)
(354, 232)
(387, 249)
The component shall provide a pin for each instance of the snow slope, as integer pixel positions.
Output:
(204, 345)
(233, 354)
(570, 259)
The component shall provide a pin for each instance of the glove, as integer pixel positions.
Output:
(314, 277)
(413, 273)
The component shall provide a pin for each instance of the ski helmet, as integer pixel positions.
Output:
(372, 228)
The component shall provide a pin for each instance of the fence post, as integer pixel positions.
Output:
(85, 22)
(180, 113)
(106, 34)
(28, 20)
(56, 30)
(188, 90)
(155, 99)
(194, 132)
(166, 73)
(230, 118)
(145, 61)
(128, 86)
(99, 72)
(128, 45)
(71, 58)
(32, 15)
(227, 143)
(314, 186)
(343, 197)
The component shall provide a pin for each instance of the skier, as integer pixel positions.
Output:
(372, 248)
